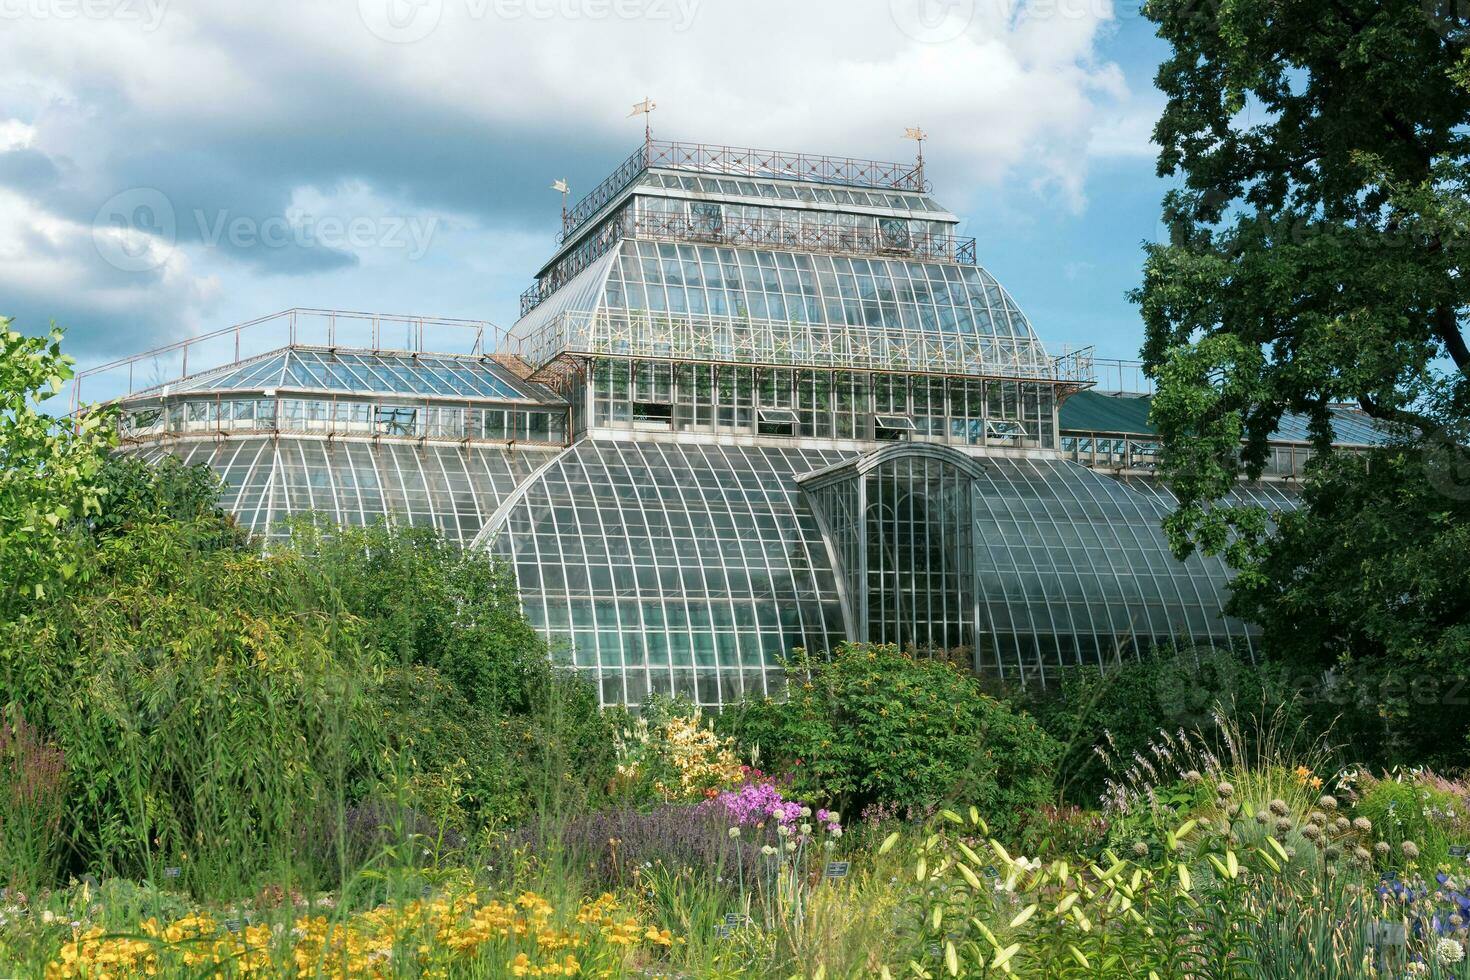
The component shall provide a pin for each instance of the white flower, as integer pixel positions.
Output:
(734, 831)
(791, 845)
(806, 828)
(837, 832)
(783, 830)
(834, 817)
(806, 811)
(1449, 951)
(768, 850)
(829, 844)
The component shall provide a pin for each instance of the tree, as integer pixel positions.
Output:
(48, 469)
(1315, 256)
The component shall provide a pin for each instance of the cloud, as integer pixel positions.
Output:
(257, 117)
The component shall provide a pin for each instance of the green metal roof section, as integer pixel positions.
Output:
(1089, 411)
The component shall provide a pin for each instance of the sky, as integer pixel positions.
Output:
(170, 168)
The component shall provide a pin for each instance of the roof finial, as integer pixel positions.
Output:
(646, 107)
(918, 136)
(560, 184)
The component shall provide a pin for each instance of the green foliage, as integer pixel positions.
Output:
(31, 801)
(202, 703)
(1371, 528)
(425, 601)
(165, 490)
(48, 471)
(1315, 257)
(1403, 808)
(875, 725)
(1125, 706)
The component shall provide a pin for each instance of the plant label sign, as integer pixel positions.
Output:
(836, 869)
(1459, 850)
(734, 920)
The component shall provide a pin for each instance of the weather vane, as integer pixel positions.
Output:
(918, 136)
(646, 107)
(560, 184)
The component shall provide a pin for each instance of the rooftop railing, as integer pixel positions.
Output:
(798, 233)
(745, 340)
(743, 162)
(321, 328)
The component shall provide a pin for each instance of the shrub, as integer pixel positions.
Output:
(669, 752)
(31, 798)
(200, 700)
(1404, 808)
(1126, 705)
(876, 725)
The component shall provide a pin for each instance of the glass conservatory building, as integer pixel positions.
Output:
(754, 401)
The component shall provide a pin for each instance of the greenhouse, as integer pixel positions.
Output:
(755, 401)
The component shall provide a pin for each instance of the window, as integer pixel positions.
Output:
(706, 219)
(894, 233)
(659, 413)
(892, 427)
(776, 421)
(997, 429)
(394, 420)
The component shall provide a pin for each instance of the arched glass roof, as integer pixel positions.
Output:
(366, 372)
(452, 488)
(670, 567)
(831, 310)
(693, 567)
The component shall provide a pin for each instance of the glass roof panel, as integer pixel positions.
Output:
(425, 375)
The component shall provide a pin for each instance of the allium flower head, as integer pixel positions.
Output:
(1449, 951)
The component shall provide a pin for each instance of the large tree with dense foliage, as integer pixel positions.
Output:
(1315, 252)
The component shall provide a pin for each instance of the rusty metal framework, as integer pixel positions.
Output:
(742, 161)
(746, 340)
(323, 328)
(796, 233)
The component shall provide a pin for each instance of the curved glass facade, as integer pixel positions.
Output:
(267, 479)
(670, 567)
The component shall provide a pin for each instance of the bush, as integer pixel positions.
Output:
(669, 753)
(1404, 807)
(31, 801)
(199, 700)
(1128, 704)
(874, 725)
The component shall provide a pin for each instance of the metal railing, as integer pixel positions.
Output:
(746, 340)
(243, 414)
(1123, 375)
(714, 158)
(321, 328)
(799, 233)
